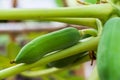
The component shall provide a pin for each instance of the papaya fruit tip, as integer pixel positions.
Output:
(11, 62)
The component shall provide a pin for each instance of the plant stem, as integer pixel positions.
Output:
(116, 5)
(102, 11)
(90, 22)
(78, 48)
(99, 26)
(53, 70)
(40, 72)
(92, 32)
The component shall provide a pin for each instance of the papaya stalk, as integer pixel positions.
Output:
(101, 11)
(92, 32)
(40, 72)
(116, 5)
(54, 70)
(90, 22)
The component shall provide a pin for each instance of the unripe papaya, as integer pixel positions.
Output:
(40, 46)
(61, 63)
(108, 53)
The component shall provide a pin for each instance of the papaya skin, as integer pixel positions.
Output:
(108, 53)
(40, 46)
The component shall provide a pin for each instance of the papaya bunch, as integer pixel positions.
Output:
(53, 47)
